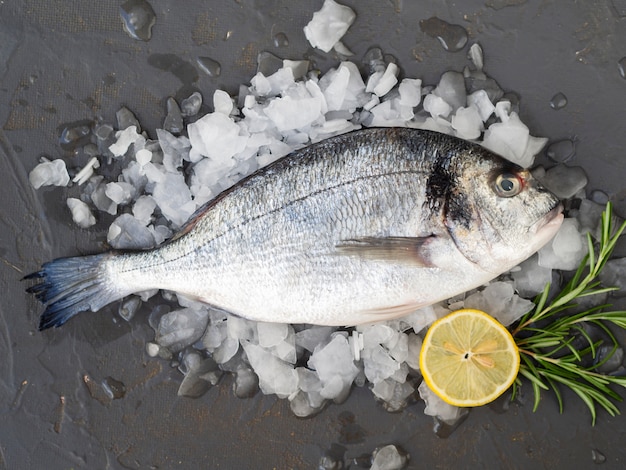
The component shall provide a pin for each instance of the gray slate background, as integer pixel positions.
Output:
(66, 60)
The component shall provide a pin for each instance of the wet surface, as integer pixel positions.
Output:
(66, 62)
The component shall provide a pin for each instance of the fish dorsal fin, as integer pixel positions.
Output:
(411, 250)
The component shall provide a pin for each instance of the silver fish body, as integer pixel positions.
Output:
(361, 227)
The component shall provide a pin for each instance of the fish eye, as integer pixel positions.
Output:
(507, 185)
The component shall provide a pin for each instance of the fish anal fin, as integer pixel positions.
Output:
(406, 250)
(392, 311)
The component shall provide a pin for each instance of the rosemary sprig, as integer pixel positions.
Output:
(545, 336)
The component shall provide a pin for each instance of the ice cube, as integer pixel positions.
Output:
(436, 106)
(275, 376)
(467, 123)
(565, 181)
(125, 139)
(387, 81)
(451, 88)
(329, 25)
(334, 360)
(287, 113)
(126, 232)
(499, 300)
(389, 457)
(191, 106)
(378, 364)
(410, 92)
(81, 214)
(173, 197)
(310, 337)
(143, 208)
(567, 248)
(222, 102)
(512, 140)
(435, 406)
(531, 278)
(53, 173)
(181, 328)
(614, 275)
(174, 119)
(216, 136)
(120, 193)
(483, 104)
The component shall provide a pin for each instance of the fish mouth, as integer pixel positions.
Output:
(546, 227)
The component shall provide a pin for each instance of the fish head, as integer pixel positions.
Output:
(498, 214)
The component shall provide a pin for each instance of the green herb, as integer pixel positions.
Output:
(545, 336)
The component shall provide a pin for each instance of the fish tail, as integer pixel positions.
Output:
(71, 285)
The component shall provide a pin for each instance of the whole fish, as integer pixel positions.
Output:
(361, 227)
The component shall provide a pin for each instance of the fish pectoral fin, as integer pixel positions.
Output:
(407, 250)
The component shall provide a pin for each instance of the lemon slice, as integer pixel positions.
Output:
(468, 358)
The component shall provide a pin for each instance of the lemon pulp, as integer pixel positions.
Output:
(468, 358)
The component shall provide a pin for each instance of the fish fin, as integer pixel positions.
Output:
(71, 285)
(393, 311)
(394, 249)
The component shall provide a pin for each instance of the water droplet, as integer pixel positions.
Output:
(558, 101)
(621, 66)
(75, 134)
(184, 71)
(281, 40)
(209, 66)
(561, 151)
(597, 456)
(113, 388)
(598, 196)
(452, 37)
(139, 18)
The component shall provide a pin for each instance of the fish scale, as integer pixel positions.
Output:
(361, 227)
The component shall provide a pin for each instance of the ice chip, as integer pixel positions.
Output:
(275, 376)
(181, 328)
(410, 92)
(288, 113)
(334, 359)
(329, 25)
(387, 81)
(222, 102)
(126, 232)
(531, 278)
(120, 193)
(173, 197)
(216, 136)
(467, 123)
(436, 106)
(389, 457)
(271, 334)
(451, 88)
(125, 139)
(52, 173)
(565, 181)
(567, 248)
(81, 214)
(483, 104)
(435, 406)
(499, 300)
(191, 106)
